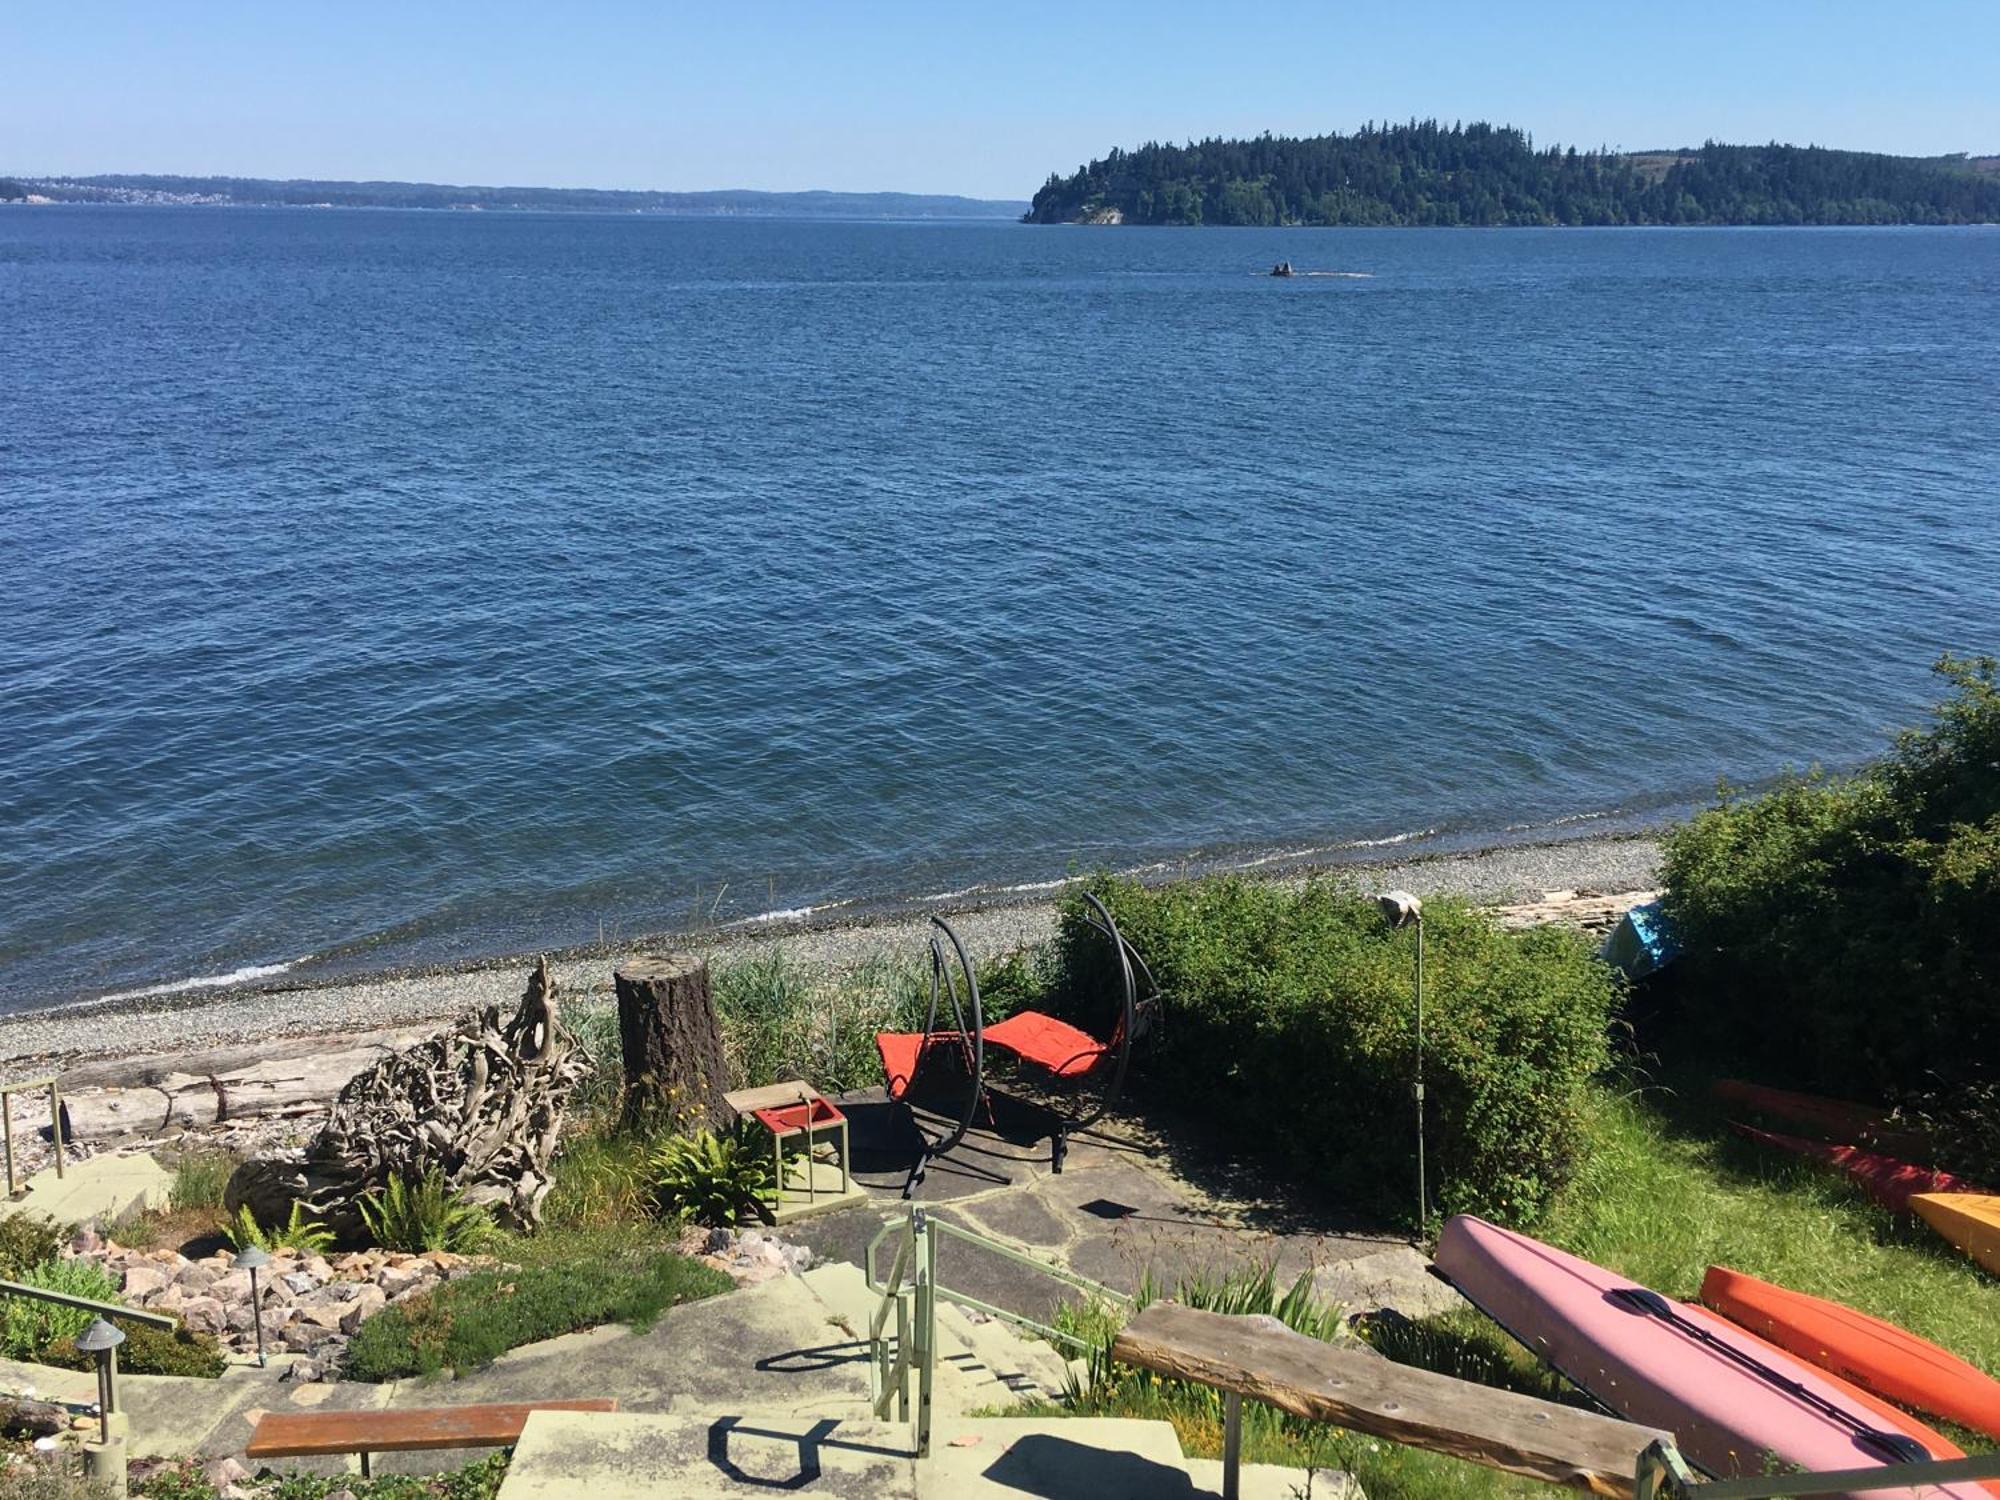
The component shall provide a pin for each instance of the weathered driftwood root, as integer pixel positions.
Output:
(483, 1103)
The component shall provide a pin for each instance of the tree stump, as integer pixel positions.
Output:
(675, 1072)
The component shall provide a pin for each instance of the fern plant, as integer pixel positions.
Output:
(425, 1215)
(717, 1179)
(307, 1236)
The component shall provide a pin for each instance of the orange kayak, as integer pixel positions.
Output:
(1865, 1351)
(1890, 1182)
(1893, 1419)
(1970, 1221)
(1835, 1119)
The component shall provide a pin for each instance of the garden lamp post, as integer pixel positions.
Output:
(253, 1258)
(104, 1461)
(1404, 910)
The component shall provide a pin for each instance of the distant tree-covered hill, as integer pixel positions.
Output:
(119, 187)
(1429, 173)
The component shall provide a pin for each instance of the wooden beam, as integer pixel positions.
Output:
(303, 1434)
(1261, 1359)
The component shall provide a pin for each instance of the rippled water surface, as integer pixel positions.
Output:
(390, 587)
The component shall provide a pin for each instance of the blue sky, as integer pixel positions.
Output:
(941, 97)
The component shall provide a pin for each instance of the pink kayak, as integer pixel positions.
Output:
(1889, 1182)
(1732, 1401)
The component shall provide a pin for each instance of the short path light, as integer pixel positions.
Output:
(1404, 910)
(253, 1258)
(104, 1461)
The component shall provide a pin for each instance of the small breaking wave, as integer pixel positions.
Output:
(244, 975)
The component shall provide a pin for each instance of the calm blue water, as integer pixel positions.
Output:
(390, 587)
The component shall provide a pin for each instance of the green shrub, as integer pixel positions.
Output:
(1289, 1021)
(425, 1215)
(29, 1240)
(1842, 931)
(308, 1236)
(185, 1479)
(200, 1179)
(147, 1351)
(469, 1322)
(714, 1178)
(28, 1325)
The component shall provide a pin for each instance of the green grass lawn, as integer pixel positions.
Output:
(1667, 1191)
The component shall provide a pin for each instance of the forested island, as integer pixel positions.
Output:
(255, 192)
(1429, 173)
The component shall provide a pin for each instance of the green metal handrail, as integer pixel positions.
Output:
(1664, 1475)
(911, 1293)
(102, 1309)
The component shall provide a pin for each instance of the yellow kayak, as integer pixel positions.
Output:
(1970, 1221)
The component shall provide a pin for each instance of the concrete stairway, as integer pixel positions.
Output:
(819, 1437)
(104, 1190)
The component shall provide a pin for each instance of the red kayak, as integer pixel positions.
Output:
(1868, 1352)
(1835, 1119)
(1890, 1182)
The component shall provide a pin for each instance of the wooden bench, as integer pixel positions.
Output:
(319, 1434)
(1356, 1388)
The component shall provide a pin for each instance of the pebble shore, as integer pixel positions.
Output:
(1519, 873)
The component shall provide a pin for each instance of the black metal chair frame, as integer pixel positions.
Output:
(971, 1040)
(1138, 1016)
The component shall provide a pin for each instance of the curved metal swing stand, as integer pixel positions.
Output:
(908, 1055)
(1068, 1053)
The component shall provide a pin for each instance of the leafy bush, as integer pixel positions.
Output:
(300, 1233)
(710, 1177)
(1842, 932)
(469, 1322)
(29, 1240)
(1289, 1021)
(425, 1215)
(27, 1325)
(200, 1179)
(148, 1351)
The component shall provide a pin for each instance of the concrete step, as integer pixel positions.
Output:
(104, 1190)
(981, 1365)
(639, 1456)
(1055, 1458)
(1276, 1482)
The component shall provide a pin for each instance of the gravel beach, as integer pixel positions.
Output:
(189, 1021)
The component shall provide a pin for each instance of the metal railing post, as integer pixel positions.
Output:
(1232, 1445)
(55, 1122)
(7, 1123)
(926, 1330)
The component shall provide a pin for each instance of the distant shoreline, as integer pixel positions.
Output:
(1599, 863)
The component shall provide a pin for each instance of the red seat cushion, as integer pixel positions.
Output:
(1063, 1049)
(902, 1051)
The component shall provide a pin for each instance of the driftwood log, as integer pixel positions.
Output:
(482, 1103)
(675, 1072)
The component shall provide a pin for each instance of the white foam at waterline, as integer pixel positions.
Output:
(786, 914)
(204, 981)
(1394, 838)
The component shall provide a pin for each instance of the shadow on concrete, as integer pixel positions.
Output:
(821, 1357)
(1056, 1468)
(809, 1444)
